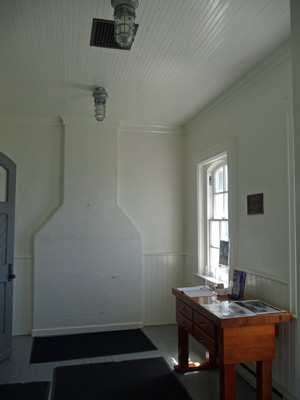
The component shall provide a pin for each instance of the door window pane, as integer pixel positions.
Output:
(3, 184)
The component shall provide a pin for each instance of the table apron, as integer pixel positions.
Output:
(246, 343)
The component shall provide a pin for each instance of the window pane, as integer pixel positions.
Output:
(224, 230)
(213, 256)
(225, 178)
(225, 211)
(3, 184)
(222, 273)
(218, 180)
(218, 206)
(214, 233)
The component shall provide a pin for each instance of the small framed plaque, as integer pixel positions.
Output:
(255, 203)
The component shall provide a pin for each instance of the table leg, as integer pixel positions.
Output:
(183, 350)
(227, 382)
(264, 379)
(183, 355)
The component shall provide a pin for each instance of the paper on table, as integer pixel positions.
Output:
(228, 309)
(238, 309)
(259, 307)
(197, 291)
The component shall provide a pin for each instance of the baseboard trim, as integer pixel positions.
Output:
(250, 376)
(85, 329)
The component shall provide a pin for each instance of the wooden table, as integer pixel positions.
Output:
(227, 342)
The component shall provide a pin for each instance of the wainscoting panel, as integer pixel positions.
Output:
(270, 290)
(23, 296)
(161, 272)
(276, 292)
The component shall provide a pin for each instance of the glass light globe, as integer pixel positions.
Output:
(124, 25)
(100, 95)
(100, 111)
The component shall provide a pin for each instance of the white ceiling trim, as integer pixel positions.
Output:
(89, 122)
(30, 120)
(150, 128)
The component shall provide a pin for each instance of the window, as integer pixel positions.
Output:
(214, 210)
(217, 210)
(216, 218)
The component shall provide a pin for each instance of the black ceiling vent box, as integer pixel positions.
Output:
(103, 34)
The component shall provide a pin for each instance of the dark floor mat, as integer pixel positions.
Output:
(25, 391)
(143, 379)
(88, 345)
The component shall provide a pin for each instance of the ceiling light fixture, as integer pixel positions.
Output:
(124, 16)
(100, 95)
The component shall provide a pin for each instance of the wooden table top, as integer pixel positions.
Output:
(262, 319)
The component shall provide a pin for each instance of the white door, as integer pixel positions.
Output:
(7, 223)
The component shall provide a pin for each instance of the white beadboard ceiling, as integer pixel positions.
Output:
(186, 53)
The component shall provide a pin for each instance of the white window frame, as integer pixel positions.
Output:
(201, 163)
(214, 166)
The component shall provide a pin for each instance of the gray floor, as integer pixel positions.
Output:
(201, 385)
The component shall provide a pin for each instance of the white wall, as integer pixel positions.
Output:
(36, 146)
(257, 118)
(295, 43)
(88, 257)
(151, 187)
(151, 192)
(256, 112)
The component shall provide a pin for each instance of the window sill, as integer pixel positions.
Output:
(211, 279)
